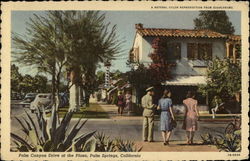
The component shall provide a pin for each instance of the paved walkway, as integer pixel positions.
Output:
(112, 111)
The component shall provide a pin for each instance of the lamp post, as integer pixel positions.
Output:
(107, 74)
(107, 65)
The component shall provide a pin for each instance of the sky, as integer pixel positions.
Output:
(125, 21)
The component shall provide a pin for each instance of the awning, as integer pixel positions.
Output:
(112, 90)
(186, 81)
(127, 85)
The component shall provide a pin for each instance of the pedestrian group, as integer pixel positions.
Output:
(167, 118)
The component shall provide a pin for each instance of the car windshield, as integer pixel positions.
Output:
(30, 95)
(44, 96)
(28, 99)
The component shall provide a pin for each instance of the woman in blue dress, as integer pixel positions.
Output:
(165, 105)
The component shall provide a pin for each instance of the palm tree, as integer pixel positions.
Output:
(92, 43)
(67, 40)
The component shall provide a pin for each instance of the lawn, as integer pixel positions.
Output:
(93, 111)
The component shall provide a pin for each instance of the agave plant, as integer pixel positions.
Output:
(126, 146)
(104, 143)
(229, 142)
(51, 136)
(207, 139)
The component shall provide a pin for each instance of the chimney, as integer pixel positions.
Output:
(139, 26)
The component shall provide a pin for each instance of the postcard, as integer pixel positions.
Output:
(124, 80)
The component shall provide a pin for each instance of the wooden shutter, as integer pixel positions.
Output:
(192, 52)
(204, 51)
(209, 51)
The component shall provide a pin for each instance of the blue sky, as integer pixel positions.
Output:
(125, 21)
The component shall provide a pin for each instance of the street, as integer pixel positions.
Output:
(129, 128)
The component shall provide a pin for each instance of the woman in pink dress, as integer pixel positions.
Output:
(191, 116)
(128, 101)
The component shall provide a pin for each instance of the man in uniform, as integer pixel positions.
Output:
(148, 115)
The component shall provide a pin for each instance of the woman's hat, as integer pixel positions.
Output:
(149, 89)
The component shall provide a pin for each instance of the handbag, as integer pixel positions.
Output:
(173, 123)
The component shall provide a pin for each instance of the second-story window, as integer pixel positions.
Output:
(173, 51)
(200, 51)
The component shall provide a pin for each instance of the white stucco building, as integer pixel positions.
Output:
(186, 49)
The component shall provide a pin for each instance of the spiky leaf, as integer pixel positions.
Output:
(33, 137)
(89, 145)
(80, 141)
(22, 141)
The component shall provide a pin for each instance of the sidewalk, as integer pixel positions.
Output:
(112, 113)
(204, 117)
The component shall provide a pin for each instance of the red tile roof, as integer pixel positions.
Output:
(179, 33)
(234, 37)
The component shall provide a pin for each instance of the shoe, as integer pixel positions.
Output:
(145, 140)
(151, 141)
(166, 143)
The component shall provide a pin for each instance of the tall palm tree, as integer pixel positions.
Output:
(92, 42)
(76, 40)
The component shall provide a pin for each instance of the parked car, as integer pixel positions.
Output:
(29, 97)
(45, 100)
(41, 100)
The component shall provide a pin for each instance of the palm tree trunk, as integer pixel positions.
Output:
(74, 90)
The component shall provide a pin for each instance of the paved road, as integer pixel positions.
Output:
(130, 128)
(127, 128)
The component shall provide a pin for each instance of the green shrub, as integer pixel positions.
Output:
(126, 146)
(51, 136)
(105, 144)
(207, 139)
(229, 142)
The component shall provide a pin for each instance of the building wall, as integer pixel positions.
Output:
(183, 66)
(138, 44)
